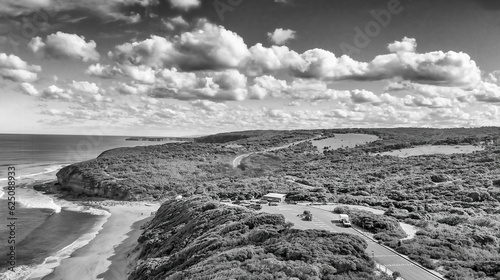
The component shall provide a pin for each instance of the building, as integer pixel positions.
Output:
(274, 197)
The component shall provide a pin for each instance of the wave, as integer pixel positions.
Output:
(51, 262)
(30, 198)
(21, 272)
(46, 170)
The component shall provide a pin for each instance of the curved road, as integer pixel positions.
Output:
(237, 160)
(323, 220)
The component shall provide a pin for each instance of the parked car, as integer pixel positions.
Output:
(256, 206)
(273, 204)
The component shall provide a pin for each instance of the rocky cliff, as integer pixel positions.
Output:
(74, 179)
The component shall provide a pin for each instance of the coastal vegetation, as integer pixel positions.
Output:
(201, 239)
(453, 199)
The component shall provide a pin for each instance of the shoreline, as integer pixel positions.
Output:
(104, 256)
(101, 251)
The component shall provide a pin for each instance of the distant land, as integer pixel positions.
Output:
(451, 199)
(160, 139)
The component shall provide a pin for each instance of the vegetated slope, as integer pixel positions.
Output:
(202, 239)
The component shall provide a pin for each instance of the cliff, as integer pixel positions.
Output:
(74, 180)
(202, 239)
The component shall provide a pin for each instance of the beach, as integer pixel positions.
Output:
(105, 256)
(99, 250)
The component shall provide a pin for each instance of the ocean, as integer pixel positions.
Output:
(46, 229)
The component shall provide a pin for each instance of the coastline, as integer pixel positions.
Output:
(98, 253)
(104, 257)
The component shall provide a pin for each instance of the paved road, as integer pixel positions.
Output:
(323, 220)
(237, 160)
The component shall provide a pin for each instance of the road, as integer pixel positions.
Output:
(323, 220)
(237, 160)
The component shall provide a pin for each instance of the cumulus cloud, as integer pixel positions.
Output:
(440, 68)
(15, 69)
(29, 89)
(364, 96)
(223, 85)
(65, 46)
(281, 36)
(207, 47)
(494, 77)
(267, 86)
(406, 45)
(103, 71)
(175, 22)
(56, 93)
(85, 86)
(185, 4)
(132, 88)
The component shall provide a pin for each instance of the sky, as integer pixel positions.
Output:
(195, 67)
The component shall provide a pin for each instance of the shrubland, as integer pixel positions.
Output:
(452, 199)
(201, 239)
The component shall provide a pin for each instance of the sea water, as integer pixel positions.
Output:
(47, 230)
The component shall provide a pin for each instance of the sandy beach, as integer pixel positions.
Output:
(105, 257)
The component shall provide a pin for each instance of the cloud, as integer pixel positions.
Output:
(103, 71)
(281, 36)
(209, 105)
(185, 4)
(29, 89)
(314, 90)
(206, 47)
(85, 86)
(15, 69)
(221, 86)
(175, 22)
(437, 68)
(364, 96)
(493, 77)
(132, 88)
(110, 10)
(56, 93)
(267, 86)
(406, 45)
(487, 92)
(65, 46)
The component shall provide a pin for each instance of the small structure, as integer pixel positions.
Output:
(274, 197)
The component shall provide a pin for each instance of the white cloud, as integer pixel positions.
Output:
(15, 69)
(493, 77)
(57, 93)
(267, 86)
(133, 88)
(103, 71)
(29, 89)
(209, 105)
(364, 96)
(406, 45)
(108, 10)
(185, 4)
(86, 87)
(281, 36)
(222, 85)
(438, 68)
(63, 45)
(207, 47)
(175, 22)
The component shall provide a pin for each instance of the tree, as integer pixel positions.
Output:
(396, 275)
